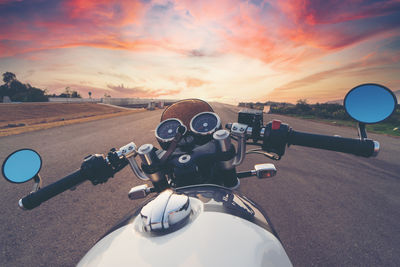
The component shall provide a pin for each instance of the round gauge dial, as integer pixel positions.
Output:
(166, 130)
(205, 123)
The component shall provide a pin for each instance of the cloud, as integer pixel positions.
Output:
(371, 63)
(315, 12)
(190, 82)
(185, 36)
(139, 91)
(196, 53)
(194, 82)
(119, 76)
(281, 33)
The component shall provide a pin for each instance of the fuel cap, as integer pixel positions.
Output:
(166, 210)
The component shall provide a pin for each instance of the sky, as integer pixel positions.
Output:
(217, 50)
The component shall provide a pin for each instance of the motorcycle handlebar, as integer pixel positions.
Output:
(34, 199)
(365, 148)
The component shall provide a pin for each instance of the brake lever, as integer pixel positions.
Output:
(266, 154)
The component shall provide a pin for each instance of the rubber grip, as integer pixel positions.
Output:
(365, 148)
(34, 199)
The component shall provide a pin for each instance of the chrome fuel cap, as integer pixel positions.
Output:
(166, 210)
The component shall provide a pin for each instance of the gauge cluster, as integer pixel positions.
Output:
(166, 131)
(202, 127)
(205, 123)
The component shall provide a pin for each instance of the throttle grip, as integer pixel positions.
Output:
(365, 148)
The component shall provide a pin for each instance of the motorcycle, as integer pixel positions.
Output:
(196, 215)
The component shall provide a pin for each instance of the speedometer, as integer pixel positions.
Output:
(205, 123)
(166, 130)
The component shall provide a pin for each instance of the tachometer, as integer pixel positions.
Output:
(166, 130)
(205, 123)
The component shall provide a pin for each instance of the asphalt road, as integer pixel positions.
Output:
(330, 209)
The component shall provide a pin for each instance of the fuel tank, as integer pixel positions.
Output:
(224, 229)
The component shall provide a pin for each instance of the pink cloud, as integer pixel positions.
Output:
(327, 12)
(283, 34)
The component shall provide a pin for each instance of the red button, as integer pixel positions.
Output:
(276, 125)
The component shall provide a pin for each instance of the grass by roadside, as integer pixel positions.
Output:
(381, 128)
(26, 117)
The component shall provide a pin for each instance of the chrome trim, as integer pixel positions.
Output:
(140, 191)
(223, 138)
(184, 158)
(157, 208)
(136, 170)
(262, 132)
(261, 169)
(212, 130)
(38, 183)
(127, 150)
(176, 210)
(241, 151)
(376, 149)
(249, 131)
(239, 130)
(146, 153)
(166, 210)
(20, 205)
(162, 140)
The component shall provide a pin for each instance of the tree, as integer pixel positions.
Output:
(75, 94)
(69, 94)
(8, 77)
(90, 94)
(302, 106)
(18, 91)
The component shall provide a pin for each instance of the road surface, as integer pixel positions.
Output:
(330, 209)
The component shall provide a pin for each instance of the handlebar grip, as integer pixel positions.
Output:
(365, 148)
(34, 199)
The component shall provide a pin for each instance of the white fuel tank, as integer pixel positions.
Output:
(211, 239)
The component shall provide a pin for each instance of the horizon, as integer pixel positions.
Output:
(225, 51)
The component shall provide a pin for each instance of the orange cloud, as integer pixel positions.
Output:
(372, 63)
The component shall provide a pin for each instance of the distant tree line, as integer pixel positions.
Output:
(20, 92)
(68, 93)
(260, 105)
(324, 111)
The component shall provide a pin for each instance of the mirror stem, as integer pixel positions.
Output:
(362, 133)
(38, 183)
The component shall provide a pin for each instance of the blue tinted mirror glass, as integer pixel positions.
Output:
(22, 166)
(370, 103)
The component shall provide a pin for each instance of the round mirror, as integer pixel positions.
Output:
(21, 166)
(370, 103)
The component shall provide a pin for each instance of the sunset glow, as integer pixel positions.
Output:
(226, 51)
